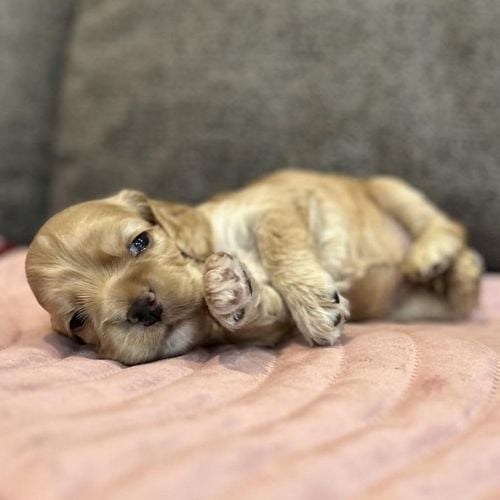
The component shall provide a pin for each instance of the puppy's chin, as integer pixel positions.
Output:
(136, 345)
(183, 337)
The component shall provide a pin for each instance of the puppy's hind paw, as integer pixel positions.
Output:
(464, 282)
(227, 289)
(431, 256)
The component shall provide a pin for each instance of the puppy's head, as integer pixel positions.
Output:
(123, 273)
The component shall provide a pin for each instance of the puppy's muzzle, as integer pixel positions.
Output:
(145, 310)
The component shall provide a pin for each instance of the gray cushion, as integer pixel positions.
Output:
(184, 98)
(31, 45)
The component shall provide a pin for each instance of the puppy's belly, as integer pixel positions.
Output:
(376, 278)
(374, 294)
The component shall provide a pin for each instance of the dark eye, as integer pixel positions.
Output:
(77, 321)
(140, 244)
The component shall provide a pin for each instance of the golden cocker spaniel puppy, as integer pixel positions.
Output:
(143, 279)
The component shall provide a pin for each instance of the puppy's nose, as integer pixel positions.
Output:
(145, 310)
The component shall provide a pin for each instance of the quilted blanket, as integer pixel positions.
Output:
(395, 411)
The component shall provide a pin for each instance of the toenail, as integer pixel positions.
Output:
(338, 319)
(249, 283)
(437, 268)
(238, 315)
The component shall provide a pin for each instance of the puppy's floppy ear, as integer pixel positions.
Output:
(138, 201)
(184, 224)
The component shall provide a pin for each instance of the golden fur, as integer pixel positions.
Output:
(295, 248)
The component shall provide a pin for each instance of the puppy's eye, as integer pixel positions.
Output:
(77, 321)
(140, 244)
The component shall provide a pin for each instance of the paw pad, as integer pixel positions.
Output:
(227, 289)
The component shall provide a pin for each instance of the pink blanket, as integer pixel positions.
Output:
(396, 411)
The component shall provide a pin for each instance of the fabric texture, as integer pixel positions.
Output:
(32, 35)
(183, 98)
(395, 411)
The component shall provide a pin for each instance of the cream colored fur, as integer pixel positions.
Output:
(294, 249)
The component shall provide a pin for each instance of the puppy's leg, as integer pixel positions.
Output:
(437, 240)
(451, 296)
(287, 251)
(463, 282)
(240, 304)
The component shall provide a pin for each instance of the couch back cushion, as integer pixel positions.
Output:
(32, 35)
(185, 98)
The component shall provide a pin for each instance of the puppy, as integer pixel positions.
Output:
(143, 279)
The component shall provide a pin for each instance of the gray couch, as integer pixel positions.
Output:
(184, 98)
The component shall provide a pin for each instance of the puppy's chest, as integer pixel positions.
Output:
(232, 232)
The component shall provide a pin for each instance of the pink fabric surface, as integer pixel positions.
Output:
(395, 411)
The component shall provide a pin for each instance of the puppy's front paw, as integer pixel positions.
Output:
(227, 289)
(320, 317)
